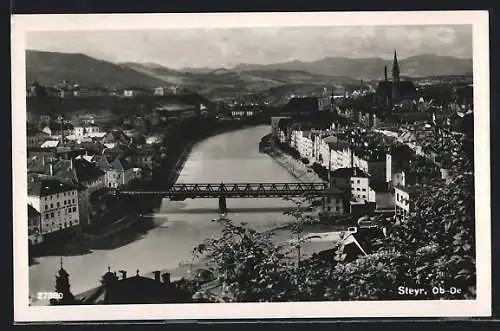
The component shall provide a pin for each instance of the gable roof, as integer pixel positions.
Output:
(81, 170)
(38, 186)
(32, 212)
(349, 172)
(120, 164)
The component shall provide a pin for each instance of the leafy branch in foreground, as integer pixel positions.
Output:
(434, 247)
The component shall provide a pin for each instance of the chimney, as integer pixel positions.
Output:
(51, 169)
(157, 275)
(124, 274)
(166, 278)
(385, 73)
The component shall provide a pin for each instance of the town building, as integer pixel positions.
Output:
(114, 138)
(301, 106)
(119, 172)
(34, 226)
(87, 130)
(36, 139)
(88, 180)
(356, 182)
(389, 93)
(135, 289)
(56, 201)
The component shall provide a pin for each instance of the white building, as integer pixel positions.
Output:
(57, 202)
(356, 181)
(402, 201)
(86, 130)
(304, 144)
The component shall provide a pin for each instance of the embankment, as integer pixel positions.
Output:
(297, 168)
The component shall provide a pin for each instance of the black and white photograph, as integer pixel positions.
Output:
(260, 165)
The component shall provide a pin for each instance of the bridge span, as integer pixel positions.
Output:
(233, 190)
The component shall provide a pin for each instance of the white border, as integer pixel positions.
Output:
(479, 307)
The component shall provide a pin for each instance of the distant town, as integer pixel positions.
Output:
(376, 146)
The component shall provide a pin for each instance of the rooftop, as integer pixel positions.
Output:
(349, 172)
(32, 212)
(39, 186)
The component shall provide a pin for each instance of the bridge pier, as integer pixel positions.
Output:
(222, 204)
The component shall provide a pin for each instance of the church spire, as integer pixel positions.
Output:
(395, 66)
(395, 79)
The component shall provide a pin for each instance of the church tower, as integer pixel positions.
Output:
(395, 79)
(63, 287)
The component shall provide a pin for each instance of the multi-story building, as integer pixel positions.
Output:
(56, 201)
(34, 226)
(304, 143)
(87, 178)
(87, 130)
(355, 181)
(119, 172)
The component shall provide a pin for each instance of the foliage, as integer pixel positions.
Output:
(433, 248)
(249, 265)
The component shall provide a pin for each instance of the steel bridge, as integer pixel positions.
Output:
(233, 190)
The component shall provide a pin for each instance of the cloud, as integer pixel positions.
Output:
(228, 47)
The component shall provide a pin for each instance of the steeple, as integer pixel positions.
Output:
(395, 79)
(63, 287)
(395, 66)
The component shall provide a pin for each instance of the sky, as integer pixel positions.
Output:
(219, 48)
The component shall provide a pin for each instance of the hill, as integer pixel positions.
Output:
(50, 67)
(371, 68)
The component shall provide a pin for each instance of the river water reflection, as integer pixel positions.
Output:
(228, 157)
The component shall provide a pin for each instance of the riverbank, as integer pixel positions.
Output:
(295, 167)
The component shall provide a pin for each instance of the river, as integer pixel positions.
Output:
(181, 225)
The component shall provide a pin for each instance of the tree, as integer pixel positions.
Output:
(433, 248)
(248, 264)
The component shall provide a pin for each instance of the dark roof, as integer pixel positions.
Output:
(81, 171)
(32, 212)
(115, 136)
(406, 89)
(298, 105)
(349, 172)
(47, 186)
(120, 164)
(94, 147)
(136, 290)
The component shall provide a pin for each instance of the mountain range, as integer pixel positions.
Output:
(51, 67)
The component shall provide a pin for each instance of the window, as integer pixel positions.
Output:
(45, 198)
(74, 209)
(51, 205)
(73, 201)
(358, 181)
(68, 210)
(364, 190)
(46, 207)
(46, 215)
(57, 195)
(357, 189)
(52, 215)
(59, 213)
(65, 202)
(57, 204)
(364, 196)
